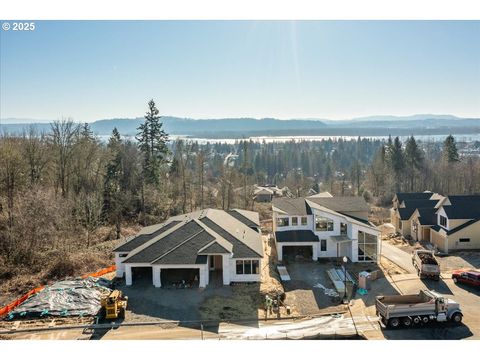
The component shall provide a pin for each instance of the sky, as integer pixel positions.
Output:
(91, 70)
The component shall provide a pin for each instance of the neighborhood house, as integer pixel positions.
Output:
(325, 227)
(449, 223)
(195, 249)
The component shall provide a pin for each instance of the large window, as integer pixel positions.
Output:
(294, 221)
(323, 224)
(464, 240)
(248, 267)
(367, 247)
(283, 221)
(304, 221)
(443, 221)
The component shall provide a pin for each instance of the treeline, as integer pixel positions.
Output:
(58, 188)
(416, 167)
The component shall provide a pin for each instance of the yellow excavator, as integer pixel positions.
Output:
(114, 305)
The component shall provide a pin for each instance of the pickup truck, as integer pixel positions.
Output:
(422, 308)
(426, 264)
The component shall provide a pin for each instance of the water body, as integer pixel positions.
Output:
(283, 139)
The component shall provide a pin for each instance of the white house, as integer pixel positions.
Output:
(195, 248)
(325, 227)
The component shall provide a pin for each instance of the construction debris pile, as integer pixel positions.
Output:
(65, 298)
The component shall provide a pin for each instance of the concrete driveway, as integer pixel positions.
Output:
(397, 256)
(410, 284)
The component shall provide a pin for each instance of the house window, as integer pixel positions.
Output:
(282, 221)
(343, 229)
(323, 224)
(464, 240)
(304, 221)
(295, 221)
(443, 221)
(367, 247)
(323, 245)
(248, 267)
(122, 255)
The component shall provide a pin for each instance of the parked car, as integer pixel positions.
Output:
(469, 277)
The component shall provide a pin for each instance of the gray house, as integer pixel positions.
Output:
(194, 248)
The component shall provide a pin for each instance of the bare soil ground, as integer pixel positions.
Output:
(59, 265)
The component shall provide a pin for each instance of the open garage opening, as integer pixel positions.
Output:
(297, 253)
(180, 278)
(142, 275)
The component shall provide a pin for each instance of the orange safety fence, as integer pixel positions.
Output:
(15, 303)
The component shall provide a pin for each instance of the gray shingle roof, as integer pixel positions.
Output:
(190, 236)
(412, 205)
(141, 239)
(297, 206)
(413, 196)
(342, 203)
(463, 207)
(428, 216)
(245, 218)
(296, 236)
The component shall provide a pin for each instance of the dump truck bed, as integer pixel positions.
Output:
(405, 305)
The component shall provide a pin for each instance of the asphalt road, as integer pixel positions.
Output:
(397, 256)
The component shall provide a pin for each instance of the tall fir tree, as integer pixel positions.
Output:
(152, 142)
(450, 152)
(413, 159)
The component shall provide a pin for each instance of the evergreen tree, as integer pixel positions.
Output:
(152, 142)
(413, 159)
(112, 199)
(396, 161)
(450, 152)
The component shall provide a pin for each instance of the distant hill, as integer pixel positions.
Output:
(238, 127)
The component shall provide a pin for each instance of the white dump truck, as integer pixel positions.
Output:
(422, 308)
(426, 264)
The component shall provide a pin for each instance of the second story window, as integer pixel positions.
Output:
(304, 221)
(323, 224)
(443, 221)
(343, 229)
(282, 222)
(294, 221)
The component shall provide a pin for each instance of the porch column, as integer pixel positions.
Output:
(128, 275)
(279, 251)
(315, 251)
(156, 276)
(203, 274)
(120, 267)
(226, 269)
(354, 251)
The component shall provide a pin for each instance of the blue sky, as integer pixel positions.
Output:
(211, 69)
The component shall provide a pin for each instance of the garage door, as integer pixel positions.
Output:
(180, 277)
(297, 253)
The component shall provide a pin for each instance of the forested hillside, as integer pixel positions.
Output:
(65, 196)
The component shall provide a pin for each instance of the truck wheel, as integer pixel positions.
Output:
(425, 319)
(394, 323)
(407, 321)
(416, 320)
(457, 318)
(455, 280)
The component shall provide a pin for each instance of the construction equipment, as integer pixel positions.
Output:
(422, 308)
(426, 264)
(114, 305)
